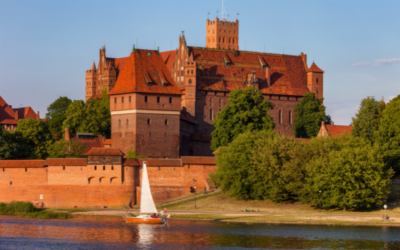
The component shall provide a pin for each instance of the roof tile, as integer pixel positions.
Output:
(105, 151)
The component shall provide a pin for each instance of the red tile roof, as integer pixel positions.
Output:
(22, 164)
(161, 162)
(131, 162)
(315, 68)
(7, 115)
(105, 151)
(25, 112)
(169, 58)
(142, 66)
(107, 142)
(198, 160)
(187, 117)
(335, 130)
(288, 73)
(96, 142)
(66, 162)
(119, 63)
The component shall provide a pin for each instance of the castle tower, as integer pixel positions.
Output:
(109, 76)
(90, 87)
(315, 80)
(222, 34)
(190, 85)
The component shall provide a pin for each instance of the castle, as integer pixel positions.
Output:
(163, 104)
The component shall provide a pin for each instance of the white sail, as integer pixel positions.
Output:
(146, 199)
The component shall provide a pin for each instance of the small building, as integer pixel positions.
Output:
(9, 116)
(88, 139)
(333, 130)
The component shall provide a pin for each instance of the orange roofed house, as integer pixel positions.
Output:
(9, 116)
(333, 130)
(164, 104)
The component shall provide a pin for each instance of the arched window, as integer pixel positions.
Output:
(280, 116)
(190, 81)
(148, 121)
(290, 117)
(211, 115)
(166, 121)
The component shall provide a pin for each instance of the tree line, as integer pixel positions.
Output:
(37, 139)
(349, 171)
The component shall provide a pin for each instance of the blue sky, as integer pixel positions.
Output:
(46, 46)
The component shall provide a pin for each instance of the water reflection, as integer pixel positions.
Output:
(19, 233)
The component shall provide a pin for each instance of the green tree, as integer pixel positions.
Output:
(353, 177)
(97, 117)
(74, 116)
(308, 113)
(67, 149)
(246, 111)
(14, 146)
(131, 154)
(56, 115)
(38, 135)
(388, 135)
(367, 119)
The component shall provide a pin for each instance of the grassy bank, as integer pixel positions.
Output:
(28, 210)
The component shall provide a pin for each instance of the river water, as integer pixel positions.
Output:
(22, 233)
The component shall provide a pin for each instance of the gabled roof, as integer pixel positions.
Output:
(142, 67)
(169, 58)
(315, 68)
(7, 115)
(335, 130)
(104, 151)
(288, 74)
(118, 63)
(95, 142)
(25, 112)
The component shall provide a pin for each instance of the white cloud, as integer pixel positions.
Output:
(391, 97)
(360, 64)
(380, 62)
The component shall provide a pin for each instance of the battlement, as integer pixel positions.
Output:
(217, 22)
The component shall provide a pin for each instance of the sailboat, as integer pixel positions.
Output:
(147, 206)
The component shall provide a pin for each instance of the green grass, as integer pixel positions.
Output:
(28, 210)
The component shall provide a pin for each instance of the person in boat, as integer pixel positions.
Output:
(154, 216)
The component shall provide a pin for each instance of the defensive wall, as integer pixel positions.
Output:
(97, 181)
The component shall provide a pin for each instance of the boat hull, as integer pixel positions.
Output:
(143, 220)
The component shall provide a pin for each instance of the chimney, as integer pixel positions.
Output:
(67, 137)
(38, 117)
(16, 115)
(268, 75)
(333, 124)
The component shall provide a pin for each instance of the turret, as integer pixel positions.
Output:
(190, 85)
(315, 80)
(222, 34)
(90, 85)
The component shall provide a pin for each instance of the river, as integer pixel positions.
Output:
(22, 233)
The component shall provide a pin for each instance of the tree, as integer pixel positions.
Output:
(353, 177)
(14, 146)
(388, 135)
(247, 110)
(56, 115)
(37, 134)
(309, 114)
(97, 117)
(131, 154)
(74, 116)
(366, 122)
(67, 149)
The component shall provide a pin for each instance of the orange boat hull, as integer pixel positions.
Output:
(143, 220)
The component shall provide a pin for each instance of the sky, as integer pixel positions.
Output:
(46, 46)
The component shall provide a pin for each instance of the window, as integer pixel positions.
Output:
(119, 122)
(145, 98)
(95, 167)
(290, 117)
(223, 40)
(127, 122)
(115, 100)
(191, 72)
(188, 72)
(317, 80)
(190, 81)
(229, 40)
(112, 167)
(233, 40)
(220, 39)
(220, 102)
(122, 99)
(63, 167)
(158, 99)
(210, 102)
(211, 115)
(317, 91)
(104, 167)
(170, 100)
(280, 116)
(166, 121)
(26, 169)
(129, 98)
(148, 121)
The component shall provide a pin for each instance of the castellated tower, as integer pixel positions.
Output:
(222, 34)
(91, 77)
(190, 85)
(315, 80)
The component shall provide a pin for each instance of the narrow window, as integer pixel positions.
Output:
(122, 100)
(104, 167)
(280, 116)
(290, 117)
(26, 169)
(166, 121)
(148, 121)
(223, 40)
(220, 102)
(317, 80)
(127, 122)
(233, 40)
(229, 40)
(170, 100)
(119, 122)
(220, 39)
(192, 73)
(210, 102)
(188, 72)
(112, 167)
(159, 168)
(115, 100)
(158, 99)
(190, 81)
(63, 167)
(317, 91)
(3, 169)
(95, 167)
(145, 98)
(129, 98)
(211, 117)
